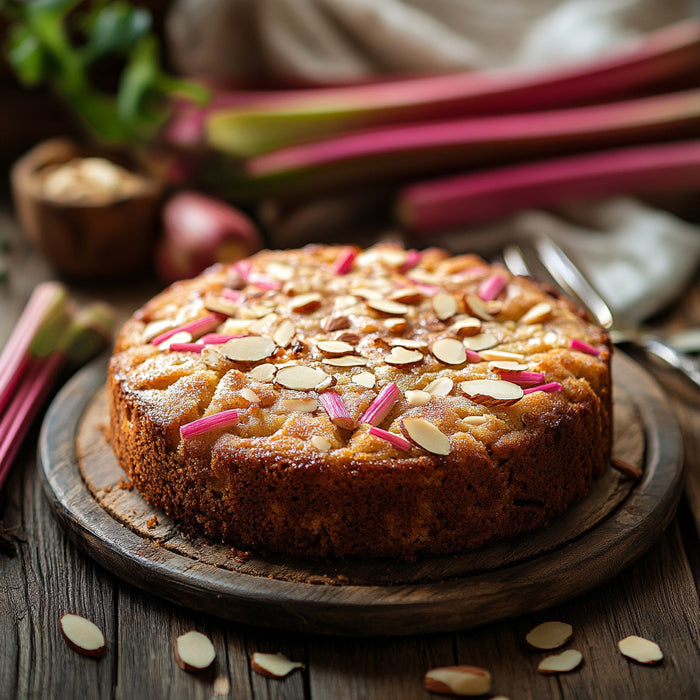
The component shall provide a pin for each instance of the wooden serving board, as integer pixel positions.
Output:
(592, 542)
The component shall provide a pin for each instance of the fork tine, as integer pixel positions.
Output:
(568, 276)
(514, 260)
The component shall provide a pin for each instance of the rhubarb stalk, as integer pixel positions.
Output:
(461, 200)
(667, 54)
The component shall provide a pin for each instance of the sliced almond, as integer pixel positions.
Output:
(388, 307)
(249, 395)
(560, 663)
(492, 392)
(492, 355)
(194, 651)
(179, 337)
(644, 651)
(346, 361)
(249, 348)
(480, 341)
(450, 351)
(458, 680)
(221, 686)
(352, 338)
(445, 306)
(263, 325)
(155, 328)
(263, 373)
(367, 293)
(403, 356)
(395, 325)
(549, 635)
(474, 420)
(306, 303)
(365, 379)
(441, 386)
(336, 323)
(273, 665)
(536, 313)
(334, 347)
(417, 397)
(326, 383)
(407, 295)
(284, 333)
(221, 306)
(426, 435)
(412, 343)
(234, 326)
(301, 405)
(83, 636)
(282, 272)
(212, 358)
(300, 377)
(466, 327)
(255, 310)
(477, 307)
(507, 365)
(320, 443)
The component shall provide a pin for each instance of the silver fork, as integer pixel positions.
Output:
(572, 281)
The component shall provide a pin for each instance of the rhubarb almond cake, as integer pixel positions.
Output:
(333, 402)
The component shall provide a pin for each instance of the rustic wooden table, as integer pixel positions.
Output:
(657, 597)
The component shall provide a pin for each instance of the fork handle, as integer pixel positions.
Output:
(672, 357)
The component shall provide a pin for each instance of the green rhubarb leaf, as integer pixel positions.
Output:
(115, 28)
(57, 316)
(27, 57)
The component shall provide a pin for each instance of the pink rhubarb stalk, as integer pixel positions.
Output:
(223, 419)
(194, 328)
(421, 149)
(218, 338)
(473, 356)
(233, 295)
(250, 129)
(550, 386)
(396, 440)
(379, 409)
(186, 347)
(492, 286)
(413, 258)
(336, 410)
(459, 200)
(583, 346)
(522, 378)
(343, 263)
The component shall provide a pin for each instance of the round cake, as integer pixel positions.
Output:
(332, 402)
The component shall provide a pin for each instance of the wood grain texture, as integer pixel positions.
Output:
(586, 546)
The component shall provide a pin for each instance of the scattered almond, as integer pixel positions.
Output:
(490, 392)
(249, 348)
(263, 373)
(441, 386)
(507, 365)
(445, 306)
(560, 663)
(346, 361)
(395, 325)
(426, 435)
(388, 307)
(466, 326)
(458, 680)
(417, 397)
(413, 343)
(221, 686)
(549, 635)
(450, 351)
(480, 341)
(300, 377)
(194, 651)
(326, 383)
(536, 313)
(334, 347)
(495, 355)
(365, 379)
(336, 323)
(306, 303)
(403, 356)
(155, 328)
(351, 338)
(320, 443)
(273, 665)
(644, 651)
(407, 295)
(180, 337)
(221, 306)
(284, 333)
(474, 420)
(477, 307)
(249, 395)
(83, 636)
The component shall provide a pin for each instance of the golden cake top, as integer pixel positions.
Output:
(361, 355)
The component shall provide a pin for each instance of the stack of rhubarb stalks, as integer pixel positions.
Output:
(465, 147)
(52, 335)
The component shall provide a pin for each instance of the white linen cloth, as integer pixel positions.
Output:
(640, 258)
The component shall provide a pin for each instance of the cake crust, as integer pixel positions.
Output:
(300, 482)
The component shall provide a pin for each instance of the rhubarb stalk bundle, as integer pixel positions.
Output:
(50, 336)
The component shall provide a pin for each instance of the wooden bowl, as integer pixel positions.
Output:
(83, 239)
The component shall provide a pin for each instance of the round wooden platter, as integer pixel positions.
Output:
(592, 542)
